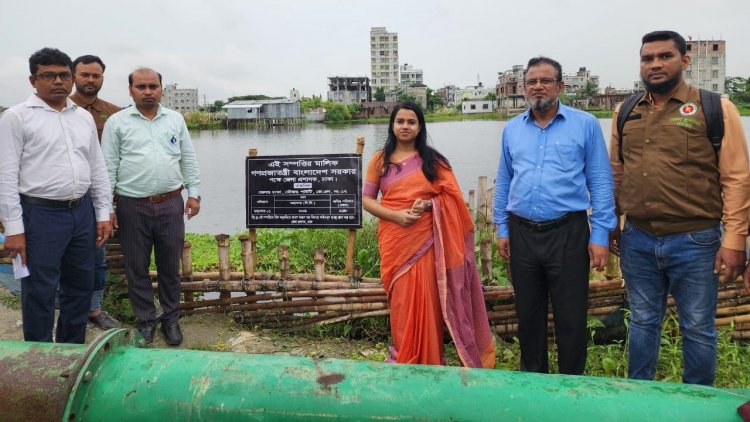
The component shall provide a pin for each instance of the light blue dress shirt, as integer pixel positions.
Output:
(547, 172)
(149, 157)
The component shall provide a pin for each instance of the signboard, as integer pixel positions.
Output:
(314, 191)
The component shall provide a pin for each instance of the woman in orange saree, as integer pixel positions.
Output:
(426, 239)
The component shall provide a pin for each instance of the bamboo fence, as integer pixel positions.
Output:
(293, 302)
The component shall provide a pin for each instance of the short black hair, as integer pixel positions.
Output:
(142, 69)
(679, 41)
(88, 58)
(49, 56)
(536, 61)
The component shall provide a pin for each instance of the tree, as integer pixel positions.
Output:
(490, 97)
(588, 91)
(379, 94)
(309, 104)
(738, 89)
(407, 96)
(434, 101)
(336, 112)
(218, 104)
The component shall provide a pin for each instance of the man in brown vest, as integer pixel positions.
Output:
(89, 77)
(685, 206)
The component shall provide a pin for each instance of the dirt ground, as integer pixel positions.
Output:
(220, 333)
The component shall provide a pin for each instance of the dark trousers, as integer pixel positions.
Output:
(555, 264)
(144, 226)
(60, 248)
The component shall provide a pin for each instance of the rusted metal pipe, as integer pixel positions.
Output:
(112, 379)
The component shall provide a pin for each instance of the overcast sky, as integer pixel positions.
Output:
(226, 48)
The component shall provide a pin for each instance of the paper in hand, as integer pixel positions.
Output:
(19, 270)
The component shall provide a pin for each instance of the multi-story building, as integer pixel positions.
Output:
(349, 90)
(384, 66)
(578, 81)
(181, 100)
(448, 94)
(509, 88)
(411, 76)
(708, 67)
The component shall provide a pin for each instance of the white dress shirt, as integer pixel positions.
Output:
(45, 153)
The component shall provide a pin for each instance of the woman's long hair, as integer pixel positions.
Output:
(430, 157)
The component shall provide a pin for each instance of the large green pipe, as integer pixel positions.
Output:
(114, 380)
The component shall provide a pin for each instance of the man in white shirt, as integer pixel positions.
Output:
(55, 199)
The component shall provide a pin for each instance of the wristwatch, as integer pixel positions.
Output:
(197, 198)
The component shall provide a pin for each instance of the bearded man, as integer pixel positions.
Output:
(675, 192)
(553, 168)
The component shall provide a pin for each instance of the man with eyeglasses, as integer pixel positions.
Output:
(553, 168)
(55, 199)
(677, 192)
(150, 158)
(89, 77)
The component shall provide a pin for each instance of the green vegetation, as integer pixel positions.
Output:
(607, 360)
(11, 301)
(203, 120)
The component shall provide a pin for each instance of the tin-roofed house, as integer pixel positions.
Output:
(264, 113)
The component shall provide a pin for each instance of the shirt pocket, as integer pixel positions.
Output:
(170, 143)
(568, 153)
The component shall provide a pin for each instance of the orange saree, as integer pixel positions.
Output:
(428, 269)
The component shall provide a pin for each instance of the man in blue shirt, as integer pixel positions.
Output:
(553, 167)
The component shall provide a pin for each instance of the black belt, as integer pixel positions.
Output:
(72, 203)
(543, 226)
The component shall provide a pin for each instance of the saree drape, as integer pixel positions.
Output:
(428, 269)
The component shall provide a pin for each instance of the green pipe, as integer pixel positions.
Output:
(114, 380)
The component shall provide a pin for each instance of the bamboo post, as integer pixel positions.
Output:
(248, 257)
(187, 268)
(485, 255)
(320, 264)
(482, 201)
(352, 243)
(284, 268)
(222, 241)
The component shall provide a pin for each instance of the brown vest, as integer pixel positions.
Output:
(670, 180)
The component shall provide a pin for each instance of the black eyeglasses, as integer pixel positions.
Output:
(52, 76)
(543, 81)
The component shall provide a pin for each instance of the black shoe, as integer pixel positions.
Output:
(172, 333)
(147, 330)
(104, 321)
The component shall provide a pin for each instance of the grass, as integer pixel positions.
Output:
(11, 301)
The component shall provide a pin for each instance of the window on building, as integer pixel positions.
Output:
(714, 73)
(689, 47)
(716, 47)
(714, 60)
(473, 106)
(382, 53)
(485, 106)
(715, 87)
(688, 73)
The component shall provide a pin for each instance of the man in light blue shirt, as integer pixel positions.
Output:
(150, 158)
(553, 168)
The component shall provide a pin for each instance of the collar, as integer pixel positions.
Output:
(82, 101)
(681, 95)
(134, 111)
(35, 102)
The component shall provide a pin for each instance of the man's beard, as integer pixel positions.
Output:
(88, 91)
(542, 104)
(661, 87)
